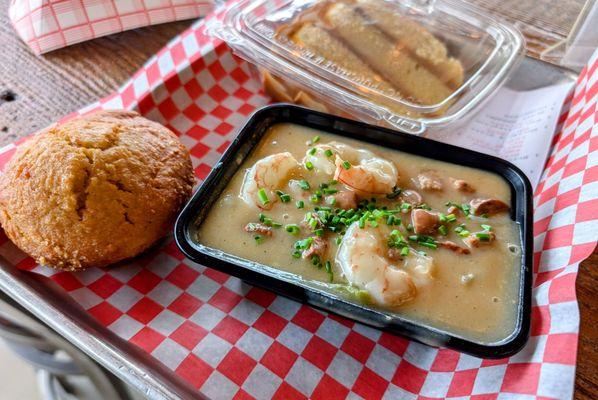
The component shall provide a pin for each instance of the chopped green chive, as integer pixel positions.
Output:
(315, 139)
(269, 222)
(331, 200)
(413, 238)
(405, 251)
(486, 227)
(315, 260)
(328, 153)
(390, 220)
(329, 191)
(424, 206)
(285, 198)
(299, 204)
(443, 230)
(410, 228)
(259, 239)
(442, 217)
(309, 165)
(451, 218)
(429, 245)
(395, 193)
(465, 208)
(312, 151)
(314, 199)
(261, 194)
(426, 238)
(296, 254)
(303, 184)
(293, 229)
(483, 236)
(463, 233)
(319, 232)
(346, 164)
(363, 219)
(303, 244)
(405, 206)
(338, 240)
(328, 268)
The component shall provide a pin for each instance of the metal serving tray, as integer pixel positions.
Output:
(48, 302)
(258, 274)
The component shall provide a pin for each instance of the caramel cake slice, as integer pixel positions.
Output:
(322, 45)
(422, 44)
(390, 58)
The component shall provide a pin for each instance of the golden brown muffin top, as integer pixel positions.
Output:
(94, 190)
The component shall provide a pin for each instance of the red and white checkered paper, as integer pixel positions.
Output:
(230, 340)
(47, 25)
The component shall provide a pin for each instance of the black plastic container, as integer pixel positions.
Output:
(254, 273)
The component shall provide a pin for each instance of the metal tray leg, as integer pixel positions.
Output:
(42, 347)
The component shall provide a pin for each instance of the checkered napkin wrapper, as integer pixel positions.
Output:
(47, 25)
(231, 340)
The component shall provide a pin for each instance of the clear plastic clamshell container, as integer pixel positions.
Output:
(404, 64)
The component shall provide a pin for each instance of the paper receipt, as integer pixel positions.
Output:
(517, 126)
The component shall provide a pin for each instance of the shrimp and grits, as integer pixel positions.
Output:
(425, 239)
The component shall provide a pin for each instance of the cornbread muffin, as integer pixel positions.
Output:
(94, 190)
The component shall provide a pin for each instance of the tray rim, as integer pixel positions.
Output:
(412, 330)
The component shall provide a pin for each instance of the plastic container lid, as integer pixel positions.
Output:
(410, 65)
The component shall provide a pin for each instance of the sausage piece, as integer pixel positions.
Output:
(428, 180)
(255, 227)
(452, 210)
(474, 241)
(425, 222)
(345, 200)
(447, 244)
(487, 206)
(318, 248)
(462, 186)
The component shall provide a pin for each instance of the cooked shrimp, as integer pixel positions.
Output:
(268, 173)
(361, 257)
(364, 172)
(367, 173)
(322, 163)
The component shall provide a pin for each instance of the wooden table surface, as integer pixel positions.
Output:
(35, 91)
